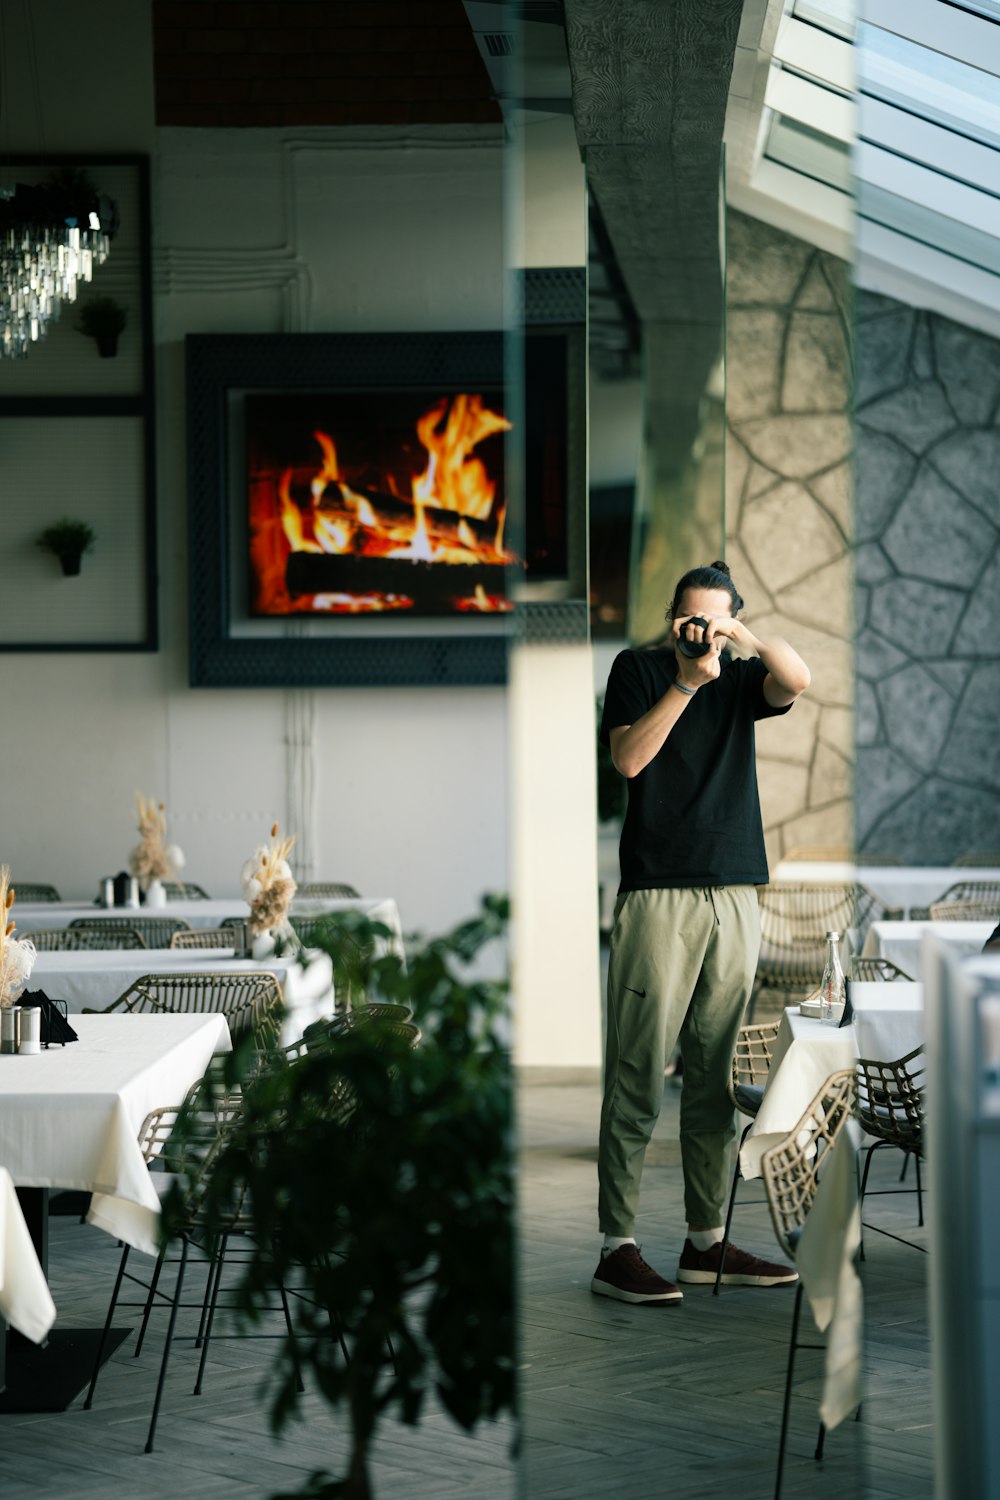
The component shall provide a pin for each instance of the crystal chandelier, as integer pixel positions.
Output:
(51, 237)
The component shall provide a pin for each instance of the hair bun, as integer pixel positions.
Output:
(720, 567)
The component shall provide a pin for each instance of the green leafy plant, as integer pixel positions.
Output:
(67, 540)
(103, 320)
(380, 1179)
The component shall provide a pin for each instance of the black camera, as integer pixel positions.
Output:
(693, 648)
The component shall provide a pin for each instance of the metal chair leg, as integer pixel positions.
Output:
(920, 1195)
(299, 1383)
(216, 1283)
(106, 1330)
(737, 1175)
(153, 1283)
(820, 1440)
(906, 1163)
(861, 1196)
(788, 1390)
(166, 1348)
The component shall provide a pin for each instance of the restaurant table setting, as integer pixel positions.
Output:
(32, 916)
(900, 941)
(94, 979)
(887, 1024)
(70, 1116)
(903, 886)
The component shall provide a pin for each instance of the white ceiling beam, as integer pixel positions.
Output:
(944, 28)
(915, 273)
(920, 184)
(809, 50)
(810, 103)
(945, 150)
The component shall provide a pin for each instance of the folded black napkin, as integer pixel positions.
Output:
(55, 1027)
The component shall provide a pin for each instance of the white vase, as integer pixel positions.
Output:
(156, 896)
(262, 946)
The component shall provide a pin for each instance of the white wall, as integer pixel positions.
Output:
(259, 231)
(557, 1020)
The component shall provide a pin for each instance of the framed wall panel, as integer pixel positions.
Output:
(77, 440)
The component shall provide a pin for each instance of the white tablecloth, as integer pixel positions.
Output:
(25, 1299)
(895, 885)
(70, 1117)
(900, 941)
(805, 1054)
(889, 1024)
(888, 1019)
(825, 1262)
(94, 980)
(45, 914)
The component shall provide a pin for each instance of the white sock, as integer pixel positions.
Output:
(704, 1239)
(613, 1243)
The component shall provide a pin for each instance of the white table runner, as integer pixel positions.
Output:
(70, 1117)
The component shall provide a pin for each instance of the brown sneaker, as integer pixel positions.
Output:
(625, 1275)
(741, 1268)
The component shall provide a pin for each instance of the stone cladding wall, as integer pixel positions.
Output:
(927, 584)
(789, 512)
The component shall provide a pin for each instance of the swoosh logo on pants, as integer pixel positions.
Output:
(640, 993)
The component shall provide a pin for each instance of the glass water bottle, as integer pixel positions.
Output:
(833, 988)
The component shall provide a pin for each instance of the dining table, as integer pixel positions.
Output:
(896, 886)
(887, 1024)
(900, 941)
(93, 978)
(70, 1118)
(35, 915)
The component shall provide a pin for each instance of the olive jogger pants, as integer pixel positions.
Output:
(681, 969)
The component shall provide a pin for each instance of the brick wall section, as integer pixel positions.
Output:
(367, 62)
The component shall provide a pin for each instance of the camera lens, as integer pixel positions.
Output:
(693, 648)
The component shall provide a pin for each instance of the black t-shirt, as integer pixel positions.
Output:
(693, 815)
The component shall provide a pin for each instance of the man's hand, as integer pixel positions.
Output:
(697, 671)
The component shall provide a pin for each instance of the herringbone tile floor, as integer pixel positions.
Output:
(681, 1402)
(685, 1401)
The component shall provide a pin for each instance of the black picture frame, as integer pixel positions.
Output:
(339, 652)
(139, 404)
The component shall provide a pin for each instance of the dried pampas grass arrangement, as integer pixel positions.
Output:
(269, 886)
(151, 859)
(17, 955)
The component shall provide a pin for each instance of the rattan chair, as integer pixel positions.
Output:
(965, 911)
(794, 921)
(866, 970)
(184, 890)
(791, 1175)
(985, 858)
(334, 888)
(27, 890)
(890, 1108)
(79, 939)
(751, 1065)
(251, 1002)
(156, 931)
(209, 1126)
(204, 937)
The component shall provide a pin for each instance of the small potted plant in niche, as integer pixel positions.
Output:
(103, 319)
(67, 540)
